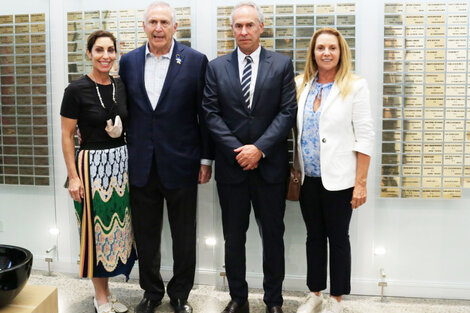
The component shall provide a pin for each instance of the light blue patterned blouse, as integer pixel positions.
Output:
(310, 140)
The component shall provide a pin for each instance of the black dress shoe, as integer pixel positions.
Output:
(274, 309)
(181, 306)
(233, 307)
(147, 305)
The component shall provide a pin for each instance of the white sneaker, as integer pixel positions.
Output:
(104, 308)
(333, 306)
(117, 306)
(313, 304)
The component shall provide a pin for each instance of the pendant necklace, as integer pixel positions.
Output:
(99, 94)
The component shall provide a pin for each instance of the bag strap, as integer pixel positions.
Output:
(296, 157)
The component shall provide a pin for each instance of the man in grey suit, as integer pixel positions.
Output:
(250, 106)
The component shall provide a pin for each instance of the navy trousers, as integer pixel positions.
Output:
(269, 205)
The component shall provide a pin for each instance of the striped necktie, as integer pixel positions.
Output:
(246, 81)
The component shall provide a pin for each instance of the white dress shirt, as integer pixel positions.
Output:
(254, 69)
(156, 69)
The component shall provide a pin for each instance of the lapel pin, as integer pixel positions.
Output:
(178, 59)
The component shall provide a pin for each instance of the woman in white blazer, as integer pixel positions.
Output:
(334, 142)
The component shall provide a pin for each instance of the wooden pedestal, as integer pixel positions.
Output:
(34, 299)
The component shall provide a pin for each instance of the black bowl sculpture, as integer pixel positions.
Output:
(15, 267)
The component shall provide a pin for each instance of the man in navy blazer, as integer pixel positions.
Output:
(250, 106)
(169, 153)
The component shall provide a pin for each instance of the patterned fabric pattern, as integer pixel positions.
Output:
(310, 139)
(246, 81)
(107, 169)
(112, 223)
(104, 217)
(84, 212)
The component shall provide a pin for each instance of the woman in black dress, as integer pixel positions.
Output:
(97, 173)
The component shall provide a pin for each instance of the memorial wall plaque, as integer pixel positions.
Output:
(436, 19)
(125, 24)
(412, 113)
(24, 80)
(325, 8)
(268, 21)
(432, 148)
(289, 28)
(287, 32)
(414, 31)
(305, 21)
(457, 19)
(284, 9)
(414, 8)
(435, 43)
(227, 10)
(285, 21)
(5, 30)
(267, 9)
(414, 20)
(107, 14)
(19, 29)
(6, 39)
(345, 20)
(435, 31)
(127, 14)
(392, 113)
(456, 43)
(6, 19)
(391, 147)
(269, 43)
(345, 8)
(410, 193)
(393, 31)
(305, 9)
(223, 22)
(38, 28)
(389, 192)
(411, 182)
(21, 18)
(267, 33)
(388, 181)
(426, 75)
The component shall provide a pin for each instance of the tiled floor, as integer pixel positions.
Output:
(76, 296)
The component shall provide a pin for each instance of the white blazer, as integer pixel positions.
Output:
(346, 127)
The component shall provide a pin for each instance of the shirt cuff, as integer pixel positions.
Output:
(206, 162)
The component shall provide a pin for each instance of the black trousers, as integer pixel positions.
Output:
(147, 218)
(327, 215)
(269, 204)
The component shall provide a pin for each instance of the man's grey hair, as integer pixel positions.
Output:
(248, 4)
(160, 4)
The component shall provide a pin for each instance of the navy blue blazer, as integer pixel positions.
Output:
(173, 133)
(266, 125)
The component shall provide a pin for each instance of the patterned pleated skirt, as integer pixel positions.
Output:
(104, 218)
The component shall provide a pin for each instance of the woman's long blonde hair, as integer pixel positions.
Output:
(344, 76)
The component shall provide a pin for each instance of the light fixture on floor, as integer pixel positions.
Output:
(382, 284)
(211, 241)
(54, 231)
(380, 251)
(52, 251)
